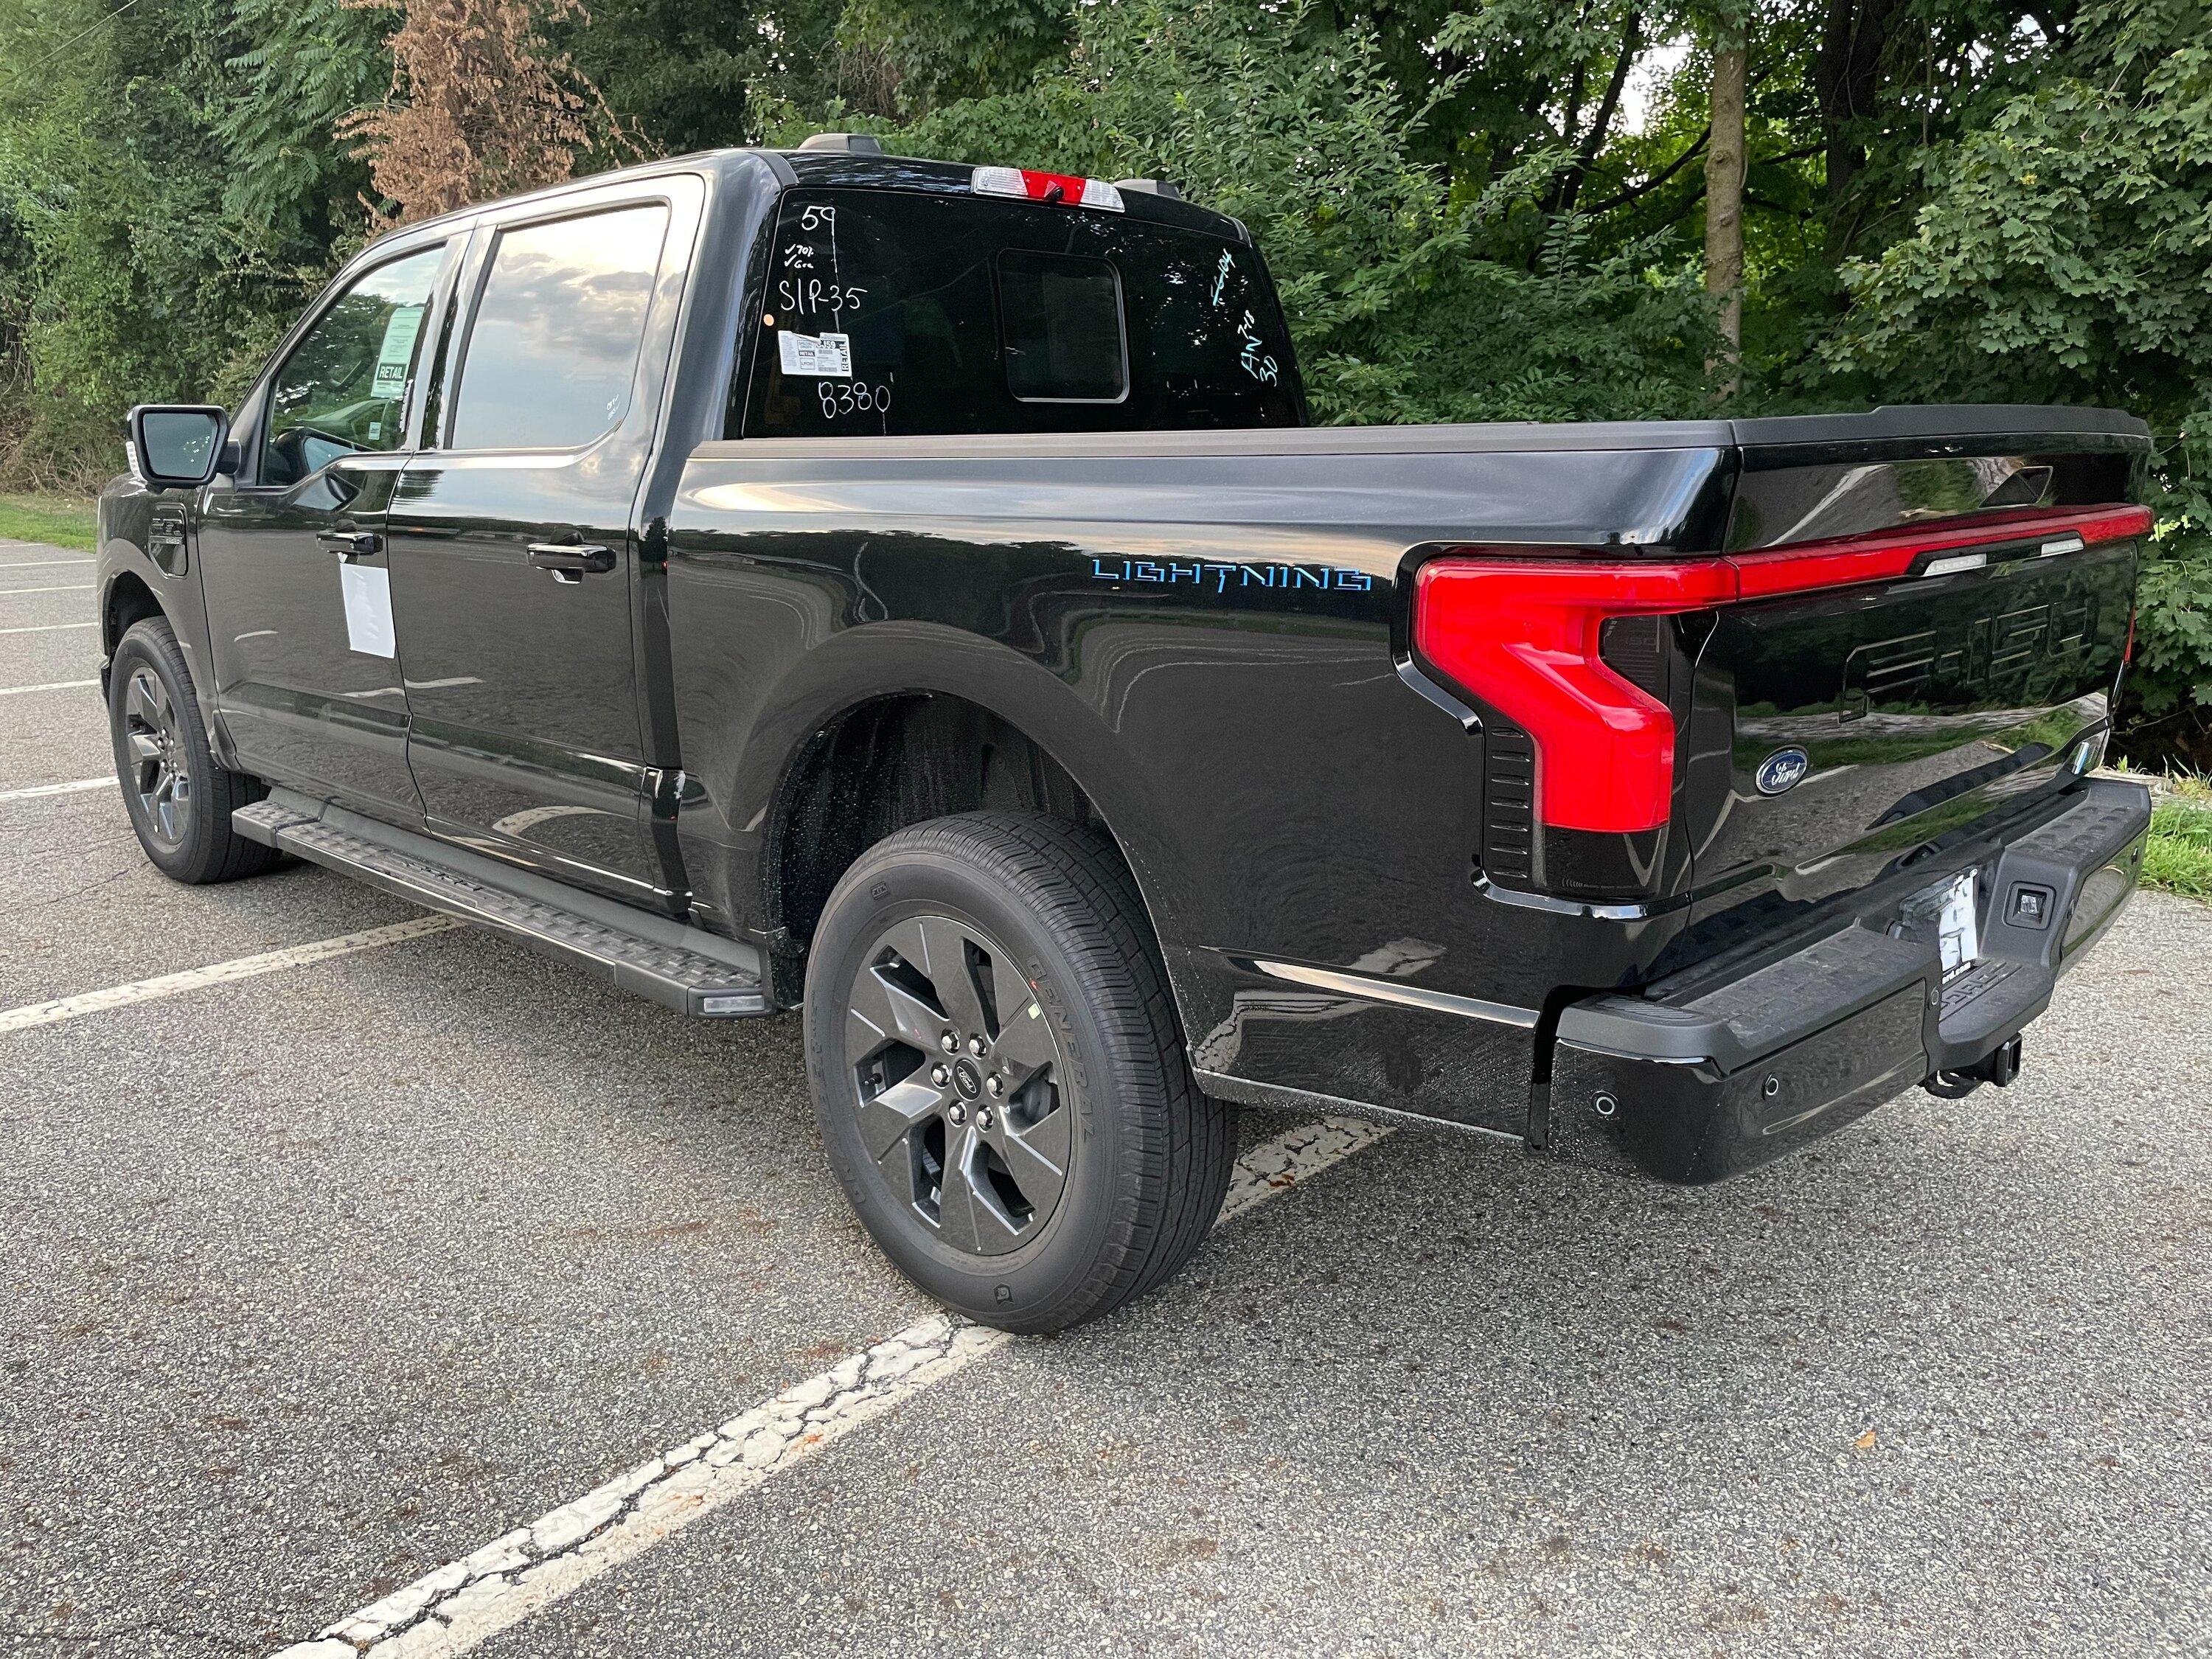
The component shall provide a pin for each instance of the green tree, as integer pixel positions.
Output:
(936, 51)
(2061, 257)
(1274, 115)
(304, 65)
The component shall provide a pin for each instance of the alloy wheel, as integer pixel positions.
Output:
(157, 762)
(956, 1078)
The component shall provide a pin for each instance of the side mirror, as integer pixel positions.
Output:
(177, 445)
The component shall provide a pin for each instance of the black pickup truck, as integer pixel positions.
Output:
(913, 592)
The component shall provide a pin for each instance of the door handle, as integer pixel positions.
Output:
(570, 563)
(348, 543)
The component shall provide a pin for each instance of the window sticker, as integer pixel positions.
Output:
(827, 354)
(397, 352)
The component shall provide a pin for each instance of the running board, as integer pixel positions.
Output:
(680, 967)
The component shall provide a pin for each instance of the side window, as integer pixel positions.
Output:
(554, 348)
(343, 390)
(897, 313)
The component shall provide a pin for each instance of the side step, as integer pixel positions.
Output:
(682, 967)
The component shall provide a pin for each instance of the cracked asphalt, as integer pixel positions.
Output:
(311, 1283)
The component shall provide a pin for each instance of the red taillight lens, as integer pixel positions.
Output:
(1524, 637)
(1522, 634)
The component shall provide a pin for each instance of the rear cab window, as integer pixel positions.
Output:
(888, 313)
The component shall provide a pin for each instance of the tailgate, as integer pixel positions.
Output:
(1967, 666)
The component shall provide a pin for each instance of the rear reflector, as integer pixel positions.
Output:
(1055, 187)
(1524, 634)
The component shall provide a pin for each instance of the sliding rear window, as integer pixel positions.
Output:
(1061, 329)
(893, 314)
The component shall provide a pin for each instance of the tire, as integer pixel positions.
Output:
(1067, 1061)
(178, 797)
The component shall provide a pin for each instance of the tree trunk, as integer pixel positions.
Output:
(1724, 170)
(1846, 76)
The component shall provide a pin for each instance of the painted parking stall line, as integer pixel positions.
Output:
(74, 787)
(68, 588)
(468, 1602)
(36, 564)
(55, 1011)
(49, 628)
(51, 685)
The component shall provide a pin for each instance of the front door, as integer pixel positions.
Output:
(514, 561)
(292, 558)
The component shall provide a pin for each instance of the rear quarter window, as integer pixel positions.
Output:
(886, 313)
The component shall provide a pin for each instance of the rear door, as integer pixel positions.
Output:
(292, 561)
(513, 556)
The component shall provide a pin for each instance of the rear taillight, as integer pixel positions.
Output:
(1524, 636)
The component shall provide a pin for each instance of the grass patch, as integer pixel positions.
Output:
(62, 520)
(2179, 857)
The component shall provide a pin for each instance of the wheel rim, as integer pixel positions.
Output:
(957, 1085)
(155, 758)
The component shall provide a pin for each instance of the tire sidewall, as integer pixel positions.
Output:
(1031, 1283)
(150, 644)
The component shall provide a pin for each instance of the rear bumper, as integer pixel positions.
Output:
(1716, 1078)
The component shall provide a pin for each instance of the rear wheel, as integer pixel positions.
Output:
(999, 1077)
(178, 797)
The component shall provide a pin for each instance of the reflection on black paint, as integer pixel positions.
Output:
(554, 343)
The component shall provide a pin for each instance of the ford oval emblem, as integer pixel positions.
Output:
(1782, 771)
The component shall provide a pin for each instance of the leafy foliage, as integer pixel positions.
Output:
(940, 50)
(691, 75)
(304, 65)
(117, 246)
(1399, 312)
(2061, 257)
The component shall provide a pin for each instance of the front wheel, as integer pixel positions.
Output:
(179, 798)
(1000, 1081)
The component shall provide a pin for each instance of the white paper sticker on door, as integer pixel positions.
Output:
(367, 589)
(830, 355)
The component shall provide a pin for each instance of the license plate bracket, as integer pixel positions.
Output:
(1947, 916)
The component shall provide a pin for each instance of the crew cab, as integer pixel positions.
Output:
(914, 594)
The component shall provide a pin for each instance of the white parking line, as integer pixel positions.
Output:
(72, 587)
(467, 1601)
(221, 973)
(75, 786)
(49, 628)
(51, 685)
(37, 564)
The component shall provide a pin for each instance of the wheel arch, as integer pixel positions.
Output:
(918, 740)
(129, 600)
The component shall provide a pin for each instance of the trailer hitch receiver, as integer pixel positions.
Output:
(2000, 1066)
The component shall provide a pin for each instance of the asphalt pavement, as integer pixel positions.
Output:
(313, 1282)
